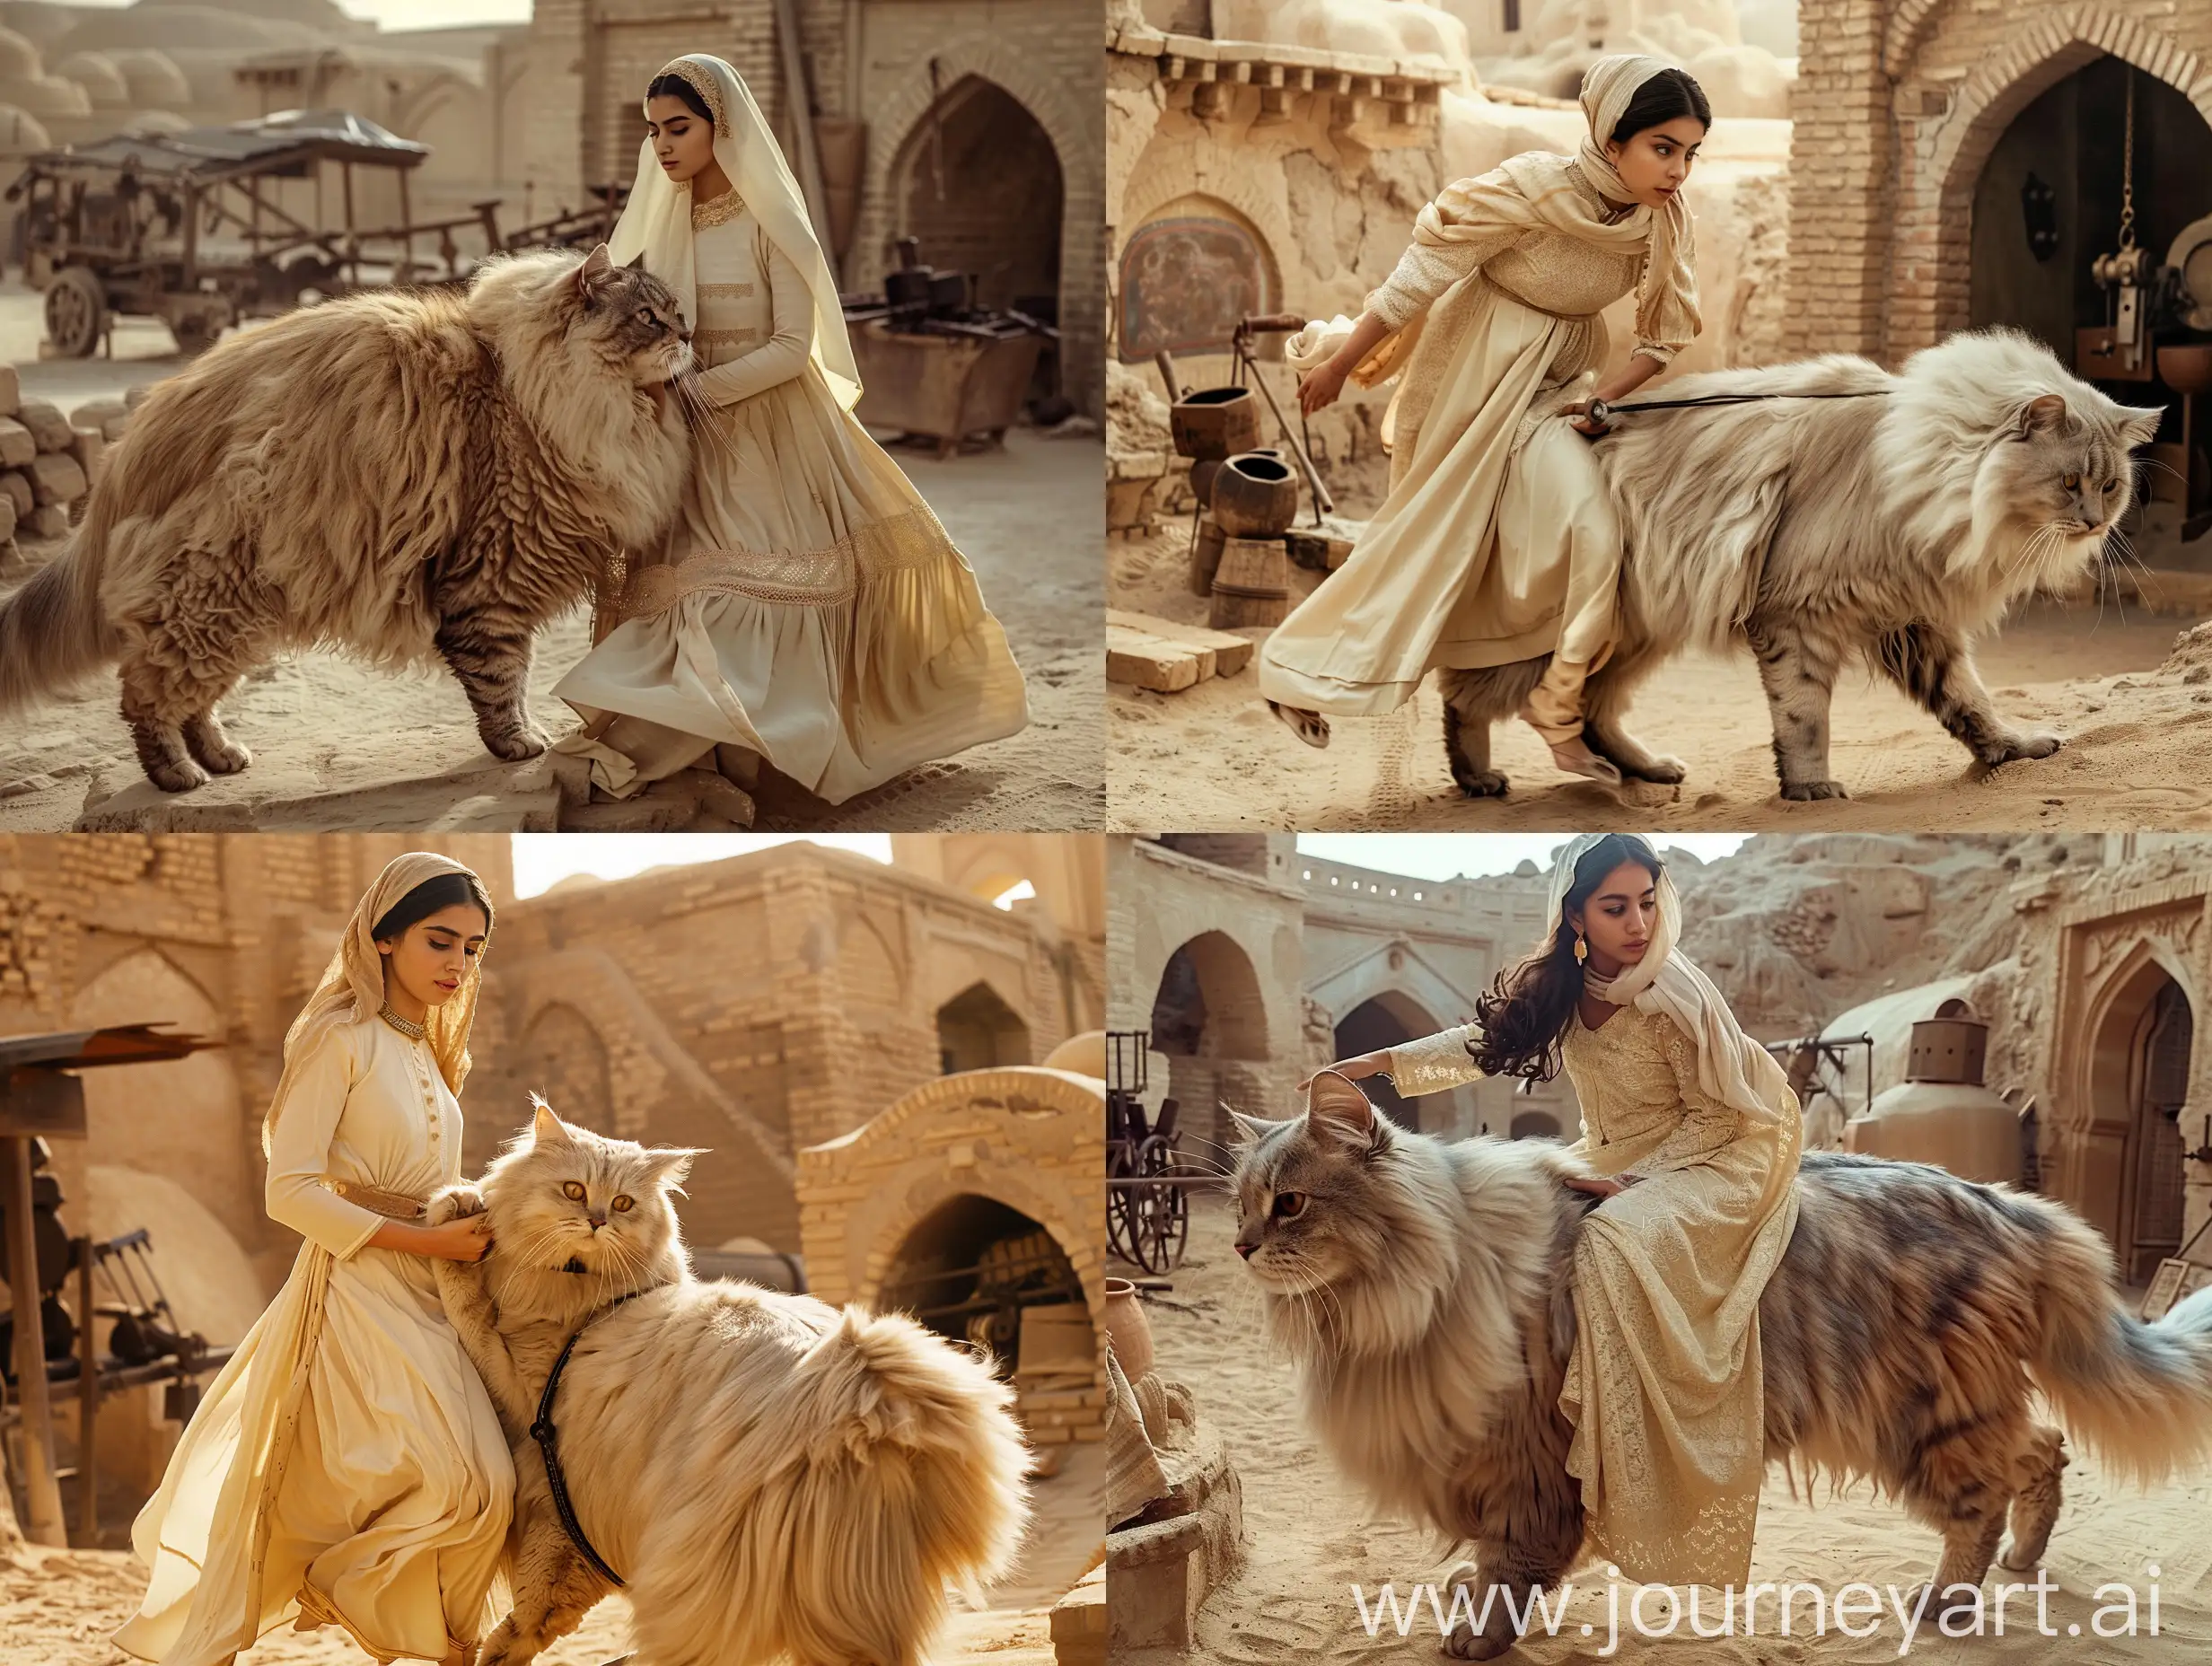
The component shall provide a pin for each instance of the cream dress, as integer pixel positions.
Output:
(1497, 542)
(347, 1465)
(807, 606)
(1665, 1388)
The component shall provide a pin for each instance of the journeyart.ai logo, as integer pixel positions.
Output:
(1792, 1608)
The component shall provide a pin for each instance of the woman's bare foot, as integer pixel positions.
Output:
(1576, 759)
(1311, 727)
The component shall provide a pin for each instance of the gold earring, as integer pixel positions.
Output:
(1581, 949)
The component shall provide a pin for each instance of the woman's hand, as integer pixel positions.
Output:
(468, 1239)
(1604, 1186)
(1318, 389)
(1583, 425)
(1358, 1065)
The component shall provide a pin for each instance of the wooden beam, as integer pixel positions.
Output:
(800, 106)
(41, 1489)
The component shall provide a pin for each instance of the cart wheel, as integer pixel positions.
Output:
(195, 332)
(76, 313)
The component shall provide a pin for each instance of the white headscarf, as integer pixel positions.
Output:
(1731, 1067)
(656, 221)
(352, 986)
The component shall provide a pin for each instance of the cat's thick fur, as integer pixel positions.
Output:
(408, 476)
(773, 1478)
(1423, 1292)
(1892, 529)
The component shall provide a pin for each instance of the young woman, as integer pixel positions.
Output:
(1497, 542)
(1694, 1134)
(807, 608)
(348, 1466)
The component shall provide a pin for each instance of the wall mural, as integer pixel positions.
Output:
(1185, 283)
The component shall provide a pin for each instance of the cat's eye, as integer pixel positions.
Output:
(1288, 1205)
(2111, 486)
(574, 1190)
(2071, 482)
(622, 1203)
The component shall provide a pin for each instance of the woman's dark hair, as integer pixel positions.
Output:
(1523, 1017)
(441, 891)
(1659, 100)
(677, 87)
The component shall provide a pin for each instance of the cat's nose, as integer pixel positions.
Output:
(598, 1221)
(1246, 1249)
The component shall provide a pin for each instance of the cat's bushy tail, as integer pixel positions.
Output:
(2139, 1395)
(52, 630)
(898, 1467)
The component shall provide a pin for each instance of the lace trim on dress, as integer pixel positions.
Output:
(720, 211)
(826, 577)
(705, 338)
(723, 291)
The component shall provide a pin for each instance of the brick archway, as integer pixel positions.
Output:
(1941, 154)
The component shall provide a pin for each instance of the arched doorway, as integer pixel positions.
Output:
(1210, 1019)
(2151, 1220)
(2047, 201)
(977, 1031)
(978, 183)
(980, 1271)
(2139, 1075)
(1387, 1020)
(1535, 1125)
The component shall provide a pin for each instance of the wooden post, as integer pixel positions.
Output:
(407, 221)
(800, 107)
(353, 248)
(88, 1403)
(41, 1491)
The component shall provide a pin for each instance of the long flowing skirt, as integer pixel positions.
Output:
(807, 607)
(1497, 542)
(347, 1465)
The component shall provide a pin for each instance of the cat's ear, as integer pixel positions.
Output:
(636, 262)
(671, 1163)
(596, 266)
(1254, 1129)
(2042, 414)
(545, 1127)
(1335, 1106)
(2139, 425)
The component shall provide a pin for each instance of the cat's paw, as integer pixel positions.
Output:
(453, 1204)
(177, 774)
(1802, 791)
(516, 743)
(1476, 1646)
(2015, 745)
(1480, 783)
(1663, 767)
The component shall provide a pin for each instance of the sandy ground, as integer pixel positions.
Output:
(2138, 745)
(58, 1608)
(336, 746)
(1307, 1544)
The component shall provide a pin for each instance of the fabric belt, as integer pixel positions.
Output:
(394, 1205)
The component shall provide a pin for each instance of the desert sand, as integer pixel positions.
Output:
(58, 1607)
(337, 746)
(1307, 1541)
(2105, 677)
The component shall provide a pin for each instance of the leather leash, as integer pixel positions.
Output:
(1600, 409)
(545, 1435)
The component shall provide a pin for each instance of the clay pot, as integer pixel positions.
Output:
(1129, 1328)
(1202, 476)
(1255, 495)
(1205, 555)
(2185, 368)
(1214, 422)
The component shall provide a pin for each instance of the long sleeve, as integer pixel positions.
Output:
(785, 352)
(1434, 1062)
(1425, 270)
(1707, 1125)
(300, 1152)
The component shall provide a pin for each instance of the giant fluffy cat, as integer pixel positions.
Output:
(1895, 529)
(1422, 1291)
(402, 474)
(772, 1479)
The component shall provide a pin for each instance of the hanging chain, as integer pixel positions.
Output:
(2127, 171)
